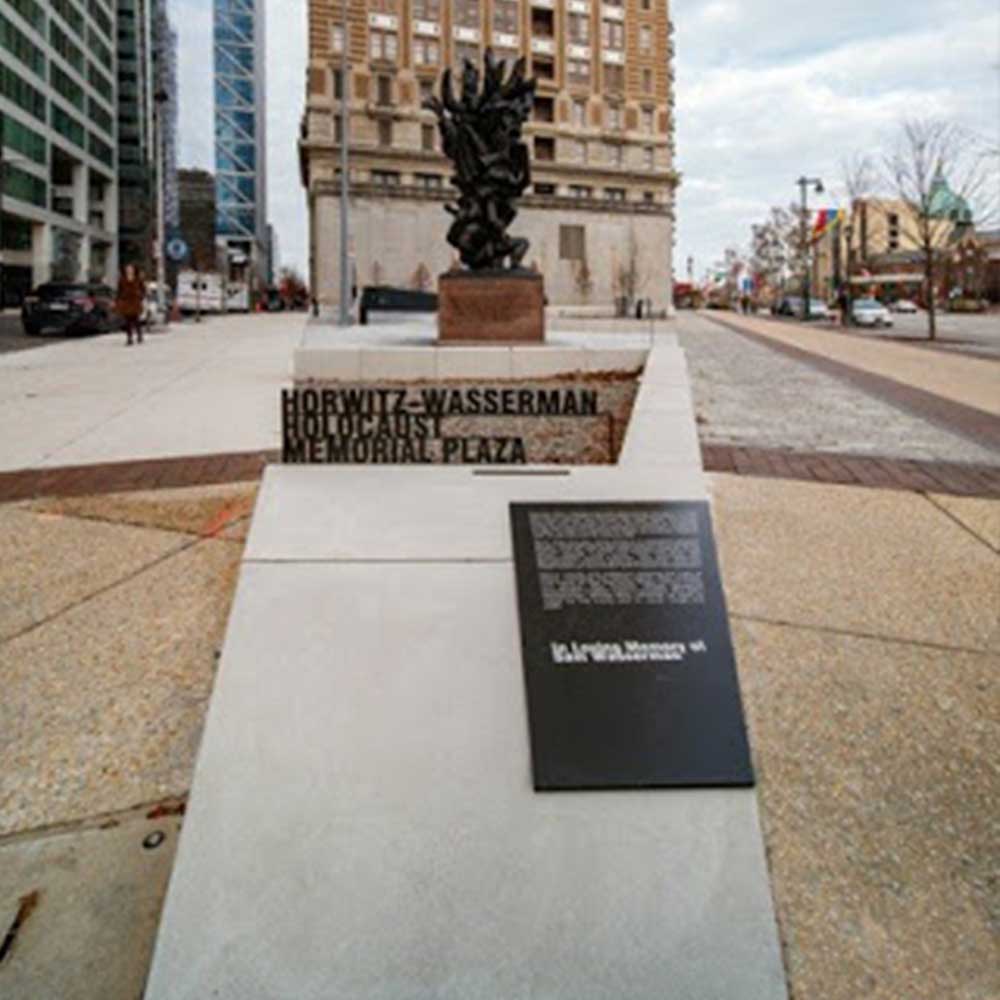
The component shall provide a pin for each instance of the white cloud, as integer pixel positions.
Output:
(760, 103)
(765, 92)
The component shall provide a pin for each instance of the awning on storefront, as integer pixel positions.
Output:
(888, 279)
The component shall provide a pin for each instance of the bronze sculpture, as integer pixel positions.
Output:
(481, 135)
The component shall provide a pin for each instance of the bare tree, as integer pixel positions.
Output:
(775, 250)
(582, 277)
(946, 180)
(629, 278)
(859, 175)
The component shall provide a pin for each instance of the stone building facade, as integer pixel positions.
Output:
(599, 215)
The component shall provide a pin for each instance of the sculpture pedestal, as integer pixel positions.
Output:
(491, 307)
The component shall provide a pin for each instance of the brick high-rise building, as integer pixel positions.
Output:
(600, 212)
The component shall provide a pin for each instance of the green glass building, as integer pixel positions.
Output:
(59, 125)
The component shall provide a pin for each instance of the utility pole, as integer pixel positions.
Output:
(345, 278)
(804, 184)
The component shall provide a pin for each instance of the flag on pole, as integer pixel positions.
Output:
(827, 219)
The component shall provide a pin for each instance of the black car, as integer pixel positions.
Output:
(70, 308)
(384, 298)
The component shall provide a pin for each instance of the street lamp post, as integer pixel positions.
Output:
(161, 262)
(804, 184)
(345, 280)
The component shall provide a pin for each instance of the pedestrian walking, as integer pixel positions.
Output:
(129, 302)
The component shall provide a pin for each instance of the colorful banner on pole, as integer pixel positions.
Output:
(827, 219)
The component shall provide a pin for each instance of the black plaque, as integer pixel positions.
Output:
(628, 660)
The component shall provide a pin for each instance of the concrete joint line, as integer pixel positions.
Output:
(965, 527)
(858, 634)
(128, 578)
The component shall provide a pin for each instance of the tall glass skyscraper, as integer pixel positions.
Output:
(240, 133)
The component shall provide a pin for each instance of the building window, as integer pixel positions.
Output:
(467, 13)
(614, 78)
(426, 88)
(615, 194)
(545, 109)
(385, 178)
(338, 84)
(579, 29)
(579, 114)
(614, 116)
(648, 158)
(425, 10)
(542, 23)
(646, 4)
(647, 81)
(545, 148)
(465, 51)
(544, 188)
(383, 45)
(580, 191)
(646, 118)
(572, 243)
(338, 129)
(645, 39)
(615, 155)
(649, 197)
(337, 38)
(579, 71)
(543, 68)
(426, 51)
(384, 91)
(893, 221)
(385, 132)
(613, 35)
(427, 138)
(506, 17)
(429, 182)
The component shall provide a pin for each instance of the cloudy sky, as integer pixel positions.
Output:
(766, 91)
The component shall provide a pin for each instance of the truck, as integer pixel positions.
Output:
(208, 292)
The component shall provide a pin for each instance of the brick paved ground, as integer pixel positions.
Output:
(959, 478)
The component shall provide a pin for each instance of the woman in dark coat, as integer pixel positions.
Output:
(129, 301)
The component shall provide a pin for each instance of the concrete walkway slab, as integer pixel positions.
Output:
(878, 562)
(102, 705)
(198, 389)
(100, 891)
(50, 562)
(363, 822)
(981, 517)
(878, 784)
(314, 513)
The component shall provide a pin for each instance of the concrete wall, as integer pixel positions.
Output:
(395, 238)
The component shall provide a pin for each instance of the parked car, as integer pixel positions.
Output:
(870, 312)
(818, 309)
(152, 315)
(790, 305)
(904, 306)
(70, 308)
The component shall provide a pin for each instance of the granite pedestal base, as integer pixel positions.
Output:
(497, 307)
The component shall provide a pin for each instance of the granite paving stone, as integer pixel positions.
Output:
(876, 766)
(746, 393)
(878, 562)
(103, 705)
(50, 561)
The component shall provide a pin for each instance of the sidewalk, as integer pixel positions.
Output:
(966, 381)
(196, 389)
(866, 629)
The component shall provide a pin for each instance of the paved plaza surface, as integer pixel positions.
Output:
(866, 623)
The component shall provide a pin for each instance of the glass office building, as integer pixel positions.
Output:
(58, 121)
(240, 122)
